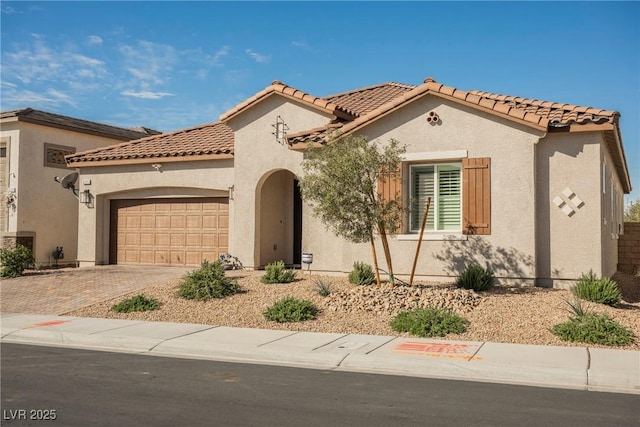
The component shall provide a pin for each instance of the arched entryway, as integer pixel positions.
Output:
(279, 219)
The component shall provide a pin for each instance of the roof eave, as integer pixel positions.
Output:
(72, 128)
(147, 160)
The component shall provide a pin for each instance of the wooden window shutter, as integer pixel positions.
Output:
(390, 187)
(476, 196)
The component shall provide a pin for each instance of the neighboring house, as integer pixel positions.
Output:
(35, 210)
(532, 189)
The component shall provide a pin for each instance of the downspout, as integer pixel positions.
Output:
(536, 278)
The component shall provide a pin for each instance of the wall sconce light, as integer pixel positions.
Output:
(85, 197)
(231, 189)
(156, 166)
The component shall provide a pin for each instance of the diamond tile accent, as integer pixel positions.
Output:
(558, 201)
(568, 204)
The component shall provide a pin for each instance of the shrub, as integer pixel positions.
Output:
(476, 277)
(322, 286)
(136, 303)
(593, 329)
(429, 322)
(575, 307)
(277, 273)
(207, 282)
(362, 274)
(602, 291)
(289, 309)
(14, 261)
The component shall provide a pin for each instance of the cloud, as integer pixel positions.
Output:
(300, 44)
(37, 61)
(9, 10)
(221, 53)
(59, 96)
(146, 94)
(166, 118)
(25, 98)
(258, 57)
(94, 40)
(148, 62)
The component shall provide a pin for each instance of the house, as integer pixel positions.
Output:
(35, 210)
(532, 189)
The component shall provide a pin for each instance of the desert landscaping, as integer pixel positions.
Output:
(503, 314)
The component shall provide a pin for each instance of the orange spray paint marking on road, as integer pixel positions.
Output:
(48, 323)
(439, 350)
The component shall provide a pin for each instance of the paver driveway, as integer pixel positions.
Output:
(61, 291)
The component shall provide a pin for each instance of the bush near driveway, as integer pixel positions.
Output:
(14, 261)
(207, 282)
(277, 273)
(136, 303)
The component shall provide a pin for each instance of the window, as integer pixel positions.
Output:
(460, 195)
(441, 182)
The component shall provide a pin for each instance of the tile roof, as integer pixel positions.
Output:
(277, 87)
(361, 101)
(211, 140)
(56, 120)
(554, 112)
(540, 114)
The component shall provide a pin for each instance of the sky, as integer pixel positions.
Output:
(170, 65)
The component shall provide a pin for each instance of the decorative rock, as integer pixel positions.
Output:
(393, 299)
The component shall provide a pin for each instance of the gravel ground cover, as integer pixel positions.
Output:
(504, 314)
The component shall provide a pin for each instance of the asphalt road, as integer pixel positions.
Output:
(90, 388)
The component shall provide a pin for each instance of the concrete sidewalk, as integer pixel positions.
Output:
(564, 367)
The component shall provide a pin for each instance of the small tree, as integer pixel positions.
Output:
(340, 182)
(632, 212)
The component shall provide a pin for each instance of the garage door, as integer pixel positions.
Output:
(168, 231)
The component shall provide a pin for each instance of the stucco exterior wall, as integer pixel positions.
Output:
(568, 241)
(462, 132)
(43, 208)
(174, 179)
(611, 212)
(257, 156)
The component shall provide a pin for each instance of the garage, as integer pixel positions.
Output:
(168, 231)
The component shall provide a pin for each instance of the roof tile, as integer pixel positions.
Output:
(209, 139)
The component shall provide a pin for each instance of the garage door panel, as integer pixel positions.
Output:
(177, 240)
(131, 256)
(194, 221)
(163, 239)
(209, 221)
(132, 239)
(209, 240)
(147, 221)
(193, 240)
(223, 222)
(211, 256)
(146, 256)
(163, 222)
(161, 257)
(169, 231)
(178, 221)
(193, 257)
